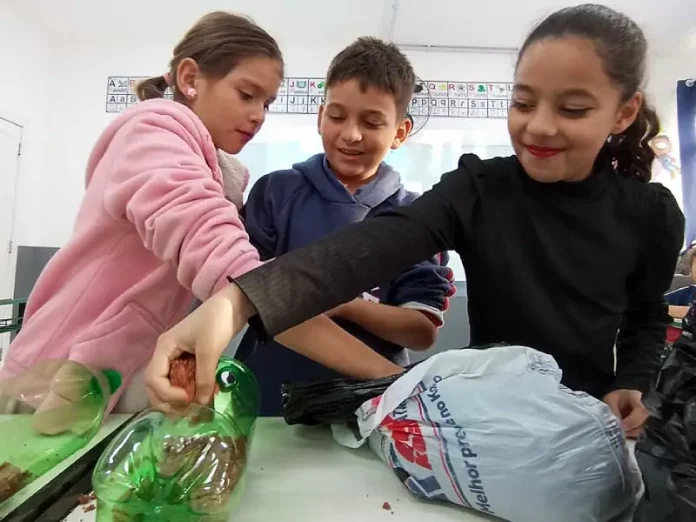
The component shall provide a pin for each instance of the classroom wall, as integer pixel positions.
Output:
(77, 115)
(71, 109)
(26, 66)
(59, 93)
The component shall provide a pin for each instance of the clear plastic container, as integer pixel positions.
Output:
(47, 414)
(184, 468)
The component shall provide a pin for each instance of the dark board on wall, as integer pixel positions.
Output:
(30, 262)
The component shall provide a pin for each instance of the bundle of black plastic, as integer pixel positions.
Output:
(667, 452)
(329, 402)
(337, 400)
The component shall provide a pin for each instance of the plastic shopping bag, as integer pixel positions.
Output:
(667, 451)
(496, 432)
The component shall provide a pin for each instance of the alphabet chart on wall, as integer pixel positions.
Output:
(448, 99)
(444, 99)
(120, 92)
(440, 99)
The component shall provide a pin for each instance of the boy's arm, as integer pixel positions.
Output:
(678, 312)
(312, 338)
(412, 308)
(325, 342)
(403, 326)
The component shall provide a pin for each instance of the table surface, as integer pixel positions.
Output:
(300, 473)
(112, 423)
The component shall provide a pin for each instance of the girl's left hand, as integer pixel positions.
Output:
(628, 407)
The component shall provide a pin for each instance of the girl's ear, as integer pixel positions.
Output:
(627, 113)
(402, 133)
(186, 75)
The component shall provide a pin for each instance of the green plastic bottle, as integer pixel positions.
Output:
(186, 468)
(240, 396)
(47, 413)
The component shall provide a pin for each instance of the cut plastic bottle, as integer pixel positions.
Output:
(186, 468)
(47, 413)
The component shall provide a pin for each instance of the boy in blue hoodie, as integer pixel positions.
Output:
(368, 88)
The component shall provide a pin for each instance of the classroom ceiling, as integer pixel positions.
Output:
(308, 23)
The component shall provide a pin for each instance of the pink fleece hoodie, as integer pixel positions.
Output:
(153, 231)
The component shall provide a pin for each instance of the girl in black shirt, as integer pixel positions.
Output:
(564, 244)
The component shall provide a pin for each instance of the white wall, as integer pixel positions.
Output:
(25, 94)
(77, 114)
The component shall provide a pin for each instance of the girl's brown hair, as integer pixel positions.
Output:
(217, 43)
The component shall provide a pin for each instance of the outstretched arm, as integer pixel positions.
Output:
(334, 270)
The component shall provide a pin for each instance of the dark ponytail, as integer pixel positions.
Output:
(622, 47)
(630, 151)
(151, 88)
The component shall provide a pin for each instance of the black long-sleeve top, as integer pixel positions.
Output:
(561, 267)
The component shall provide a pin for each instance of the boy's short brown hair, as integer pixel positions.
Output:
(375, 63)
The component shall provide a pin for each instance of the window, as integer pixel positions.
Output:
(421, 161)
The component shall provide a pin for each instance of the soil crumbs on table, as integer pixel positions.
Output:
(12, 479)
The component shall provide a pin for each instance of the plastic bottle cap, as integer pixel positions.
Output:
(114, 379)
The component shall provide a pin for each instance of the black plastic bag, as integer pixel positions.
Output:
(329, 402)
(666, 453)
(335, 401)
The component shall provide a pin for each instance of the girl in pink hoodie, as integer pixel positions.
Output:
(155, 229)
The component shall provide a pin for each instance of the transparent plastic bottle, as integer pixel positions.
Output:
(186, 468)
(47, 413)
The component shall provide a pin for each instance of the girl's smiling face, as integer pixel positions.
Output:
(564, 107)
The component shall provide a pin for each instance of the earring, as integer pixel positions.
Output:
(191, 92)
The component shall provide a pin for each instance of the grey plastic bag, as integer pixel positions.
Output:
(495, 431)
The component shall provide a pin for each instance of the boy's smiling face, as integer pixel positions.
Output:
(358, 127)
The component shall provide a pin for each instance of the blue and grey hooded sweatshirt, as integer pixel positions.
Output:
(289, 209)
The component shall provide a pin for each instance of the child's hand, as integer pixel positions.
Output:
(628, 407)
(205, 332)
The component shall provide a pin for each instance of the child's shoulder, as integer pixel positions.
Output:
(154, 125)
(653, 201)
(293, 177)
(163, 107)
(284, 182)
(654, 210)
(497, 168)
(487, 175)
(476, 168)
(283, 178)
(164, 115)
